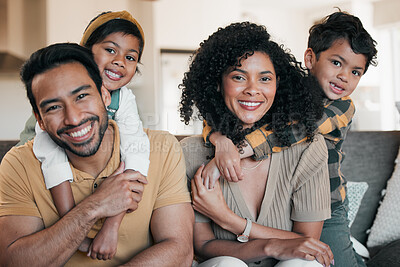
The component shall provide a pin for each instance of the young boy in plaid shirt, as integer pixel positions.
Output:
(339, 52)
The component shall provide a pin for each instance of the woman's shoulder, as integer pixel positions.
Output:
(315, 150)
(195, 152)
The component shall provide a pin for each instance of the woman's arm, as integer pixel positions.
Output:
(206, 246)
(211, 203)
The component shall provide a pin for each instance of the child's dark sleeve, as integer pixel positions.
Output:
(336, 118)
(333, 125)
(264, 142)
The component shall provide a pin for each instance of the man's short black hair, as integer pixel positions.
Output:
(53, 56)
(342, 25)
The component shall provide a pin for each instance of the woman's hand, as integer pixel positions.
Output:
(227, 157)
(306, 248)
(209, 202)
(210, 174)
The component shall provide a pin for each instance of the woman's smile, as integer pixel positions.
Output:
(249, 89)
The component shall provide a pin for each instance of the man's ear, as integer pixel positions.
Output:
(309, 58)
(106, 96)
(39, 120)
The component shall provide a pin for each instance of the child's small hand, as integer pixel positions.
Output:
(84, 246)
(210, 174)
(227, 158)
(104, 245)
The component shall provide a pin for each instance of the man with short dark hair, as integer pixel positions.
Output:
(64, 87)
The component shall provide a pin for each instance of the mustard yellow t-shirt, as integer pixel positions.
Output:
(23, 192)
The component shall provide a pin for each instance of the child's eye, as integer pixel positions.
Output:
(110, 50)
(81, 96)
(356, 73)
(130, 58)
(336, 63)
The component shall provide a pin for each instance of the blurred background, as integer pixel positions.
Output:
(173, 30)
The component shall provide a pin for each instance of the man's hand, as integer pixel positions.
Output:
(120, 192)
(227, 157)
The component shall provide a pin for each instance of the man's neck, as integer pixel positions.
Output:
(96, 163)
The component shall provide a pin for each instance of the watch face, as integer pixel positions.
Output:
(243, 238)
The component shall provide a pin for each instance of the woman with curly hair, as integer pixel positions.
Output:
(240, 80)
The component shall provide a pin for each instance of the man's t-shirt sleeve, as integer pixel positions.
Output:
(173, 187)
(16, 196)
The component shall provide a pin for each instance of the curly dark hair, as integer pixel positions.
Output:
(342, 25)
(298, 96)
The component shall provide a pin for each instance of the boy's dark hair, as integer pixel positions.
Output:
(342, 25)
(116, 25)
(55, 55)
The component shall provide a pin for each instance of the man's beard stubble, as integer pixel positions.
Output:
(90, 151)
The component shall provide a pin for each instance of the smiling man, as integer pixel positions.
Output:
(64, 87)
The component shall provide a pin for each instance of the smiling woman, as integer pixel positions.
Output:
(292, 101)
(239, 79)
(249, 89)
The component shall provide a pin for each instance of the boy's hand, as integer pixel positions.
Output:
(104, 245)
(227, 157)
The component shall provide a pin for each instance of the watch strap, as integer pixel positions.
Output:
(248, 227)
(244, 237)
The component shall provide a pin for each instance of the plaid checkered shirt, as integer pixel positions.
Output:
(333, 125)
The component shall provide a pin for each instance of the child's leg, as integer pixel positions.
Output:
(336, 233)
(104, 245)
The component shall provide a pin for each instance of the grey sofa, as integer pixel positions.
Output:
(369, 157)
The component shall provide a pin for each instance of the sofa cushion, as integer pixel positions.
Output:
(369, 158)
(5, 146)
(387, 256)
(355, 194)
(385, 228)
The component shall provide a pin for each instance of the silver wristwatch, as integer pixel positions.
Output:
(244, 237)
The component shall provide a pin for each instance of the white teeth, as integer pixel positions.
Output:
(250, 104)
(81, 132)
(112, 74)
(336, 87)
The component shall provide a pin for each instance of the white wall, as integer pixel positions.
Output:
(14, 107)
(183, 24)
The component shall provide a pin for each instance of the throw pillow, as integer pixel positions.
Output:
(355, 193)
(386, 224)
